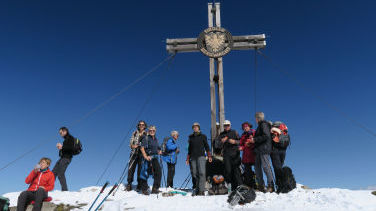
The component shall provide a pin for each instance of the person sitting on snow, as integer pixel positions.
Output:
(41, 180)
(170, 157)
(150, 150)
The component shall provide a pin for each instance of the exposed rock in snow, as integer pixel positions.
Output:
(323, 199)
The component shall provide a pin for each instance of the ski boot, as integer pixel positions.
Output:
(261, 188)
(155, 191)
(200, 193)
(270, 188)
(129, 187)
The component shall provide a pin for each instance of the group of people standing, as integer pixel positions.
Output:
(147, 155)
(257, 147)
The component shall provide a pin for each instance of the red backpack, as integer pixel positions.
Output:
(280, 135)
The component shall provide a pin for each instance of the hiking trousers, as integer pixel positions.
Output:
(232, 170)
(278, 158)
(135, 161)
(199, 172)
(27, 196)
(262, 163)
(59, 172)
(193, 178)
(249, 175)
(156, 172)
(170, 174)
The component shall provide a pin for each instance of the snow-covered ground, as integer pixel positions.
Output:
(324, 199)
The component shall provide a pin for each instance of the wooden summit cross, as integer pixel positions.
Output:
(215, 42)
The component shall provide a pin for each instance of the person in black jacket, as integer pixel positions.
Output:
(66, 153)
(197, 145)
(150, 150)
(263, 147)
(231, 156)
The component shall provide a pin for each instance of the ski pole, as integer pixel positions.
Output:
(109, 193)
(181, 186)
(104, 186)
(134, 152)
(188, 182)
(123, 177)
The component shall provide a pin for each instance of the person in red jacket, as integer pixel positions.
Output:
(248, 159)
(41, 180)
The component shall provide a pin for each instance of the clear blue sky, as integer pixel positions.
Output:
(58, 60)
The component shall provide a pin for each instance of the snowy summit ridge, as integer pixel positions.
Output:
(323, 199)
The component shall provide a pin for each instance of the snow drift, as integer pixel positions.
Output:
(323, 199)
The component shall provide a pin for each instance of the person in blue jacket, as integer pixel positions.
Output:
(170, 156)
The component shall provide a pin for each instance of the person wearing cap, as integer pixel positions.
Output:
(231, 156)
(135, 159)
(263, 148)
(197, 146)
(150, 150)
(248, 158)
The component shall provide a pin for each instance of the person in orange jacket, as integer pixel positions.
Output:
(41, 180)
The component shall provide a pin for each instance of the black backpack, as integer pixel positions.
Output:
(241, 195)
(288, 182)
(77, 148)
(4, 204)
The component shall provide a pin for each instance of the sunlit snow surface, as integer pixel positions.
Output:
(323, 199)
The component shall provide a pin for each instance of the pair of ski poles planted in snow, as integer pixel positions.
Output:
(100, 193)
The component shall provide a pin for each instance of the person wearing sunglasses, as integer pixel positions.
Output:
(135, 159)
(150, 150)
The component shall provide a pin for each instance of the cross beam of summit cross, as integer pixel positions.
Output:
(215, 42)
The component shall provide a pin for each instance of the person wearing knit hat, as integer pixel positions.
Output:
(196, 124)
(197, 146)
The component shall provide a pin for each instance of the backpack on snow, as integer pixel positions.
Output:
(77, 148)
(163, 146)
(288, 182)
(280, 135)
(241, 195)
(4, 204)
(218, 186)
